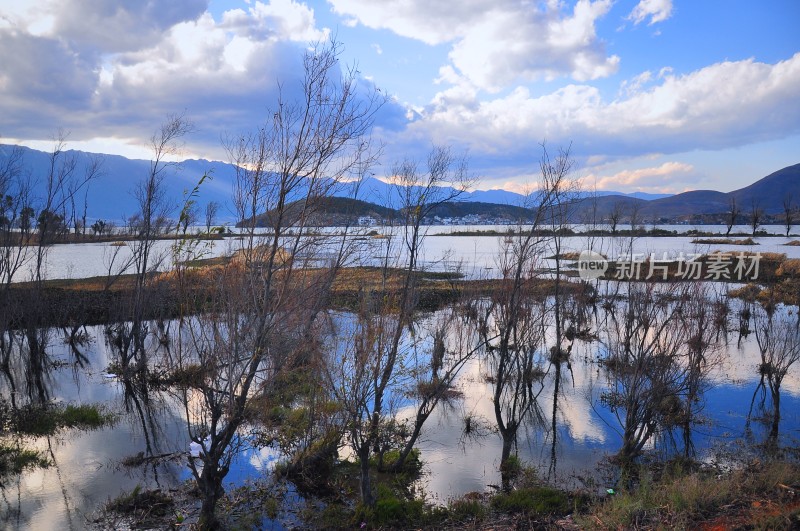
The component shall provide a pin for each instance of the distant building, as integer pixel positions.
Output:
(367, 221)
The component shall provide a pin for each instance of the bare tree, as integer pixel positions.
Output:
(15, 215)
(756, 215)
(648, 377)
(267, 303)
(212, 208)
(789, 212)
(778, 338)
(155, 207)
(614, 217)
(731, 216)
(62, 180)
(20, 196)
(513, 322)
(380, 351)
(565, 308)
(702, 354)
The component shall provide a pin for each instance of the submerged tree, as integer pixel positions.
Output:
(515, 319)
(778, 338)
(654, 363)
(383, 362)
(151, 220)
(28, 201)
(701, 321)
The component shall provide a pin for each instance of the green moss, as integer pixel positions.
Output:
(512, 466)
(533, 500)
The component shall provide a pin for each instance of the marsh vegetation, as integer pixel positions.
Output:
(287, 384)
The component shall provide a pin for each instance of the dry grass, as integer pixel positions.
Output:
(703, 500)
(789, 268)
(260, 254)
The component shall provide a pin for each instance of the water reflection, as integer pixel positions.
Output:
(86, 466)
(582, 430)
(728, 390)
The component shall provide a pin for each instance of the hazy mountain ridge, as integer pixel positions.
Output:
(111, 195)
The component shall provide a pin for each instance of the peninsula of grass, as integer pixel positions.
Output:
(725, 241)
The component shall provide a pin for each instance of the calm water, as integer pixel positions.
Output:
(476, 256)
(87, 469)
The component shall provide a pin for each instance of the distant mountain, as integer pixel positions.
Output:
(376, 191)
(347, 211)
(770, 191)
(500, 197)
(694, 202)
(636, 195)
(111, 196)
(767, 194)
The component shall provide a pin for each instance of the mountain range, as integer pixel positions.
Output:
(111, 196)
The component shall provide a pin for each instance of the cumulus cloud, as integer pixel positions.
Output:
(655, 10)
(103, 25)
(495, 43)
(222, 73)
(723, 105)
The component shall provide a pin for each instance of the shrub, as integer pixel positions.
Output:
(532, 500)
(465, 510)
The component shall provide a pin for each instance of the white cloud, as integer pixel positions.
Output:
(723, 105)
(293, 21)
(495, 43)
(635, 84)
(429, 22)
(668, 174)
(117, 74)
(655, 10)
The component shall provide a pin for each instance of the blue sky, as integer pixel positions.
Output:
(653, 95)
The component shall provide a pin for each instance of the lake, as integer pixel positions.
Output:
(476, 256)
(87, 466)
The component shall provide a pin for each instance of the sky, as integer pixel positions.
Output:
(658, 96)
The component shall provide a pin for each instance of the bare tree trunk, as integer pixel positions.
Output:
(506, 475)
(367, 497)
(775, 390)
(210, 485)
